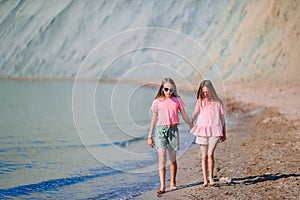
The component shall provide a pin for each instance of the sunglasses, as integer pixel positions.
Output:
(168, 89)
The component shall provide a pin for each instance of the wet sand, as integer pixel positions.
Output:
(260, 158)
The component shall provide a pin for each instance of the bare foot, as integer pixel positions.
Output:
(212, 182)
(203, 185)
(159, 193)
(173, 187)
(162, 189)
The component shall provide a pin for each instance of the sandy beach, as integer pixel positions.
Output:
(253, 46)
(260, 158)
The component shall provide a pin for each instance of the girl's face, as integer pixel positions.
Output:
(205, 93)
(168, 90)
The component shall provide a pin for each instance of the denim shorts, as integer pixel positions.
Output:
(166, 137)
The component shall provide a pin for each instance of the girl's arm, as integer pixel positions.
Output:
(186, 117)
(223, 138)
(152, 126)
(194, 115)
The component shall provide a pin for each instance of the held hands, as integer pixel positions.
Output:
(150, 142)
(191, 125)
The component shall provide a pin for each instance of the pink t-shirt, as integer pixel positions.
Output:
(209, 119)
(167, 110)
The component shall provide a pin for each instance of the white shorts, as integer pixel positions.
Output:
(207, 144)
(207, 140)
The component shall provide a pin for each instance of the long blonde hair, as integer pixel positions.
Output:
(210, 87)
(161, 93)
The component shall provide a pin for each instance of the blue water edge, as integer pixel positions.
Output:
(53, 148)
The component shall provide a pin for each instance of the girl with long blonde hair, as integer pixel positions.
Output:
(210, 127)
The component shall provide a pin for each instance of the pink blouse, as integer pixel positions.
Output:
(209, 119)
(167, 110)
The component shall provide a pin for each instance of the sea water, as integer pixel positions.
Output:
(52, 147)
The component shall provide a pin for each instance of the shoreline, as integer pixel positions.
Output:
(261, 155)
(262, 152)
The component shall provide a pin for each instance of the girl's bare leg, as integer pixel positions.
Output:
(162, 168)
(211, 162)
(173, 169)
(204, 163)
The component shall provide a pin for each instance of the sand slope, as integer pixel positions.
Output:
(264, 41)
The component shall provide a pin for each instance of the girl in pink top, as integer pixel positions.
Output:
(165, 108)
(210, 126)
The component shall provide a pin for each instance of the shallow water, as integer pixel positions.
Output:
(54, 147)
